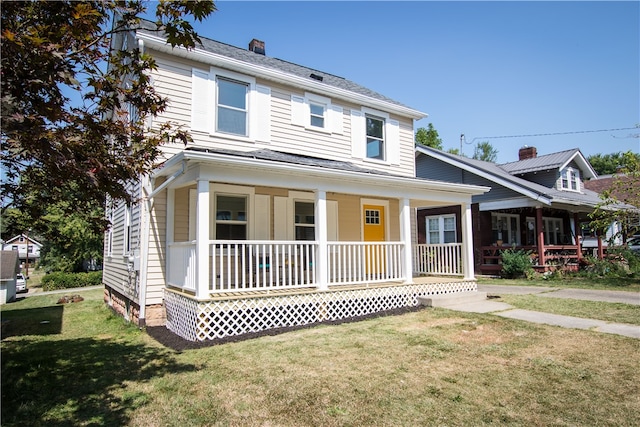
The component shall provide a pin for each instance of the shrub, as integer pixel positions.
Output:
(516, 263)
(58, 280)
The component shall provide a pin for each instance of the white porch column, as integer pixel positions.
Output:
(202, 240)
(467, 242)
(322, 258)
(405, 236)
(169, 238)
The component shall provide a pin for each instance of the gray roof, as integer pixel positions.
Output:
(9, 265)
(586, 197)
(248, 56)
(539, 163)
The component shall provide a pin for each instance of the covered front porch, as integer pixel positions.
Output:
(298, 239)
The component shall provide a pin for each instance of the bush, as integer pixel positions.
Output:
(617, 263)
(58, 280)
(516, 263)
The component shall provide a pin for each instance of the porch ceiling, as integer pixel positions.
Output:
(243, 168)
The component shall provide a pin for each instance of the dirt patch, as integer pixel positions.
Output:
(167, 338)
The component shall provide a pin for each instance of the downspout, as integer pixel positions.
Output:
(146, 232)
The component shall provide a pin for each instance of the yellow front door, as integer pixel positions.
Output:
(374, 231)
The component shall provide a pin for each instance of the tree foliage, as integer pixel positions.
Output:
(608, 164)
(429, 137)
(67, 139)
(621, 202)
(485, 151)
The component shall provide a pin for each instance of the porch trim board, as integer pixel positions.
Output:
(215, 318)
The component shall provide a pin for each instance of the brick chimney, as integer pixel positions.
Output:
(527, 153)
(257, 46)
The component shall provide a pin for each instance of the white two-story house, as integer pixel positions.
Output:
(294, 204)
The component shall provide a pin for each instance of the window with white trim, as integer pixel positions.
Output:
(127, 229)
(505, 227)
(553, 231)
(375, 137)
(570, 179)
(304, 220)
(231, 106)
(441, 229)
(231, 217)
(315, 112)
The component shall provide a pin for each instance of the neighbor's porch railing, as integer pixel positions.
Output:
(259, 265)
(443, 259)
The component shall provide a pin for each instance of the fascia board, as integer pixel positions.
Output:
(508, 184)
(158, 43)
(313, 176)
(584, 164)
(520, 202)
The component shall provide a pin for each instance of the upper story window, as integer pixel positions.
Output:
(229, 103)
(441, 229)
(570, 179)
(315, 112)
(231, 217)
(232, 107)
(375, 137)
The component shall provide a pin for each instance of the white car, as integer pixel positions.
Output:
(21, 283)
(634, 244)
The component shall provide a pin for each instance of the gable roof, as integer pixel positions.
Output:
(557, 160)
(216, 53)
(501, 176)
(9, 265)
(24, 236)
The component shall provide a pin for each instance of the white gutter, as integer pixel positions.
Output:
(200, 55)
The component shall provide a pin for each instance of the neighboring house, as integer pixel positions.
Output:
(9, 268)
(536, 203)
(294, 204)
(27, 248)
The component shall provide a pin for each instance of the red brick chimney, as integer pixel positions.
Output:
(257, 46)
(527, 153)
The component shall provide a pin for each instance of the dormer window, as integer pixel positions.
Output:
(570, 179)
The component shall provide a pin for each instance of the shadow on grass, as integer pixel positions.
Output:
(32, 321)
(79, 381)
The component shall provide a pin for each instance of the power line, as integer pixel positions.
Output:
(549, 134)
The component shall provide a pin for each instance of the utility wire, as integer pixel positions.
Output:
(548, 134)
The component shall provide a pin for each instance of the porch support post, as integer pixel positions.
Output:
(171, 211)
(405, 235)
(600, 248)
(467, 242)
(539, 227)
(322, 258)
(576, 232)
(202, 239)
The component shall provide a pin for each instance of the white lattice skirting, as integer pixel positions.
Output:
(205, 320)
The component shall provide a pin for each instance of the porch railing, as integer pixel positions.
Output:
(182, 265)
(442, 259)
(364, 262)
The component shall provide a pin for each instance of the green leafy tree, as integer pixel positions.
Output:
(429, 137)
(455, 151)
(621, 202)
(485, 151)
(608, 164)
(66, 140)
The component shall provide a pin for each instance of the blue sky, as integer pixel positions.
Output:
(482, 69)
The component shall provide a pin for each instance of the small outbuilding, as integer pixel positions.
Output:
(9, 268)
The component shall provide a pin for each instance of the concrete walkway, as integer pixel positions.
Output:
(505, 310)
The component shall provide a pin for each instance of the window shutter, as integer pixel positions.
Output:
(262, 217)
(298, 115)
(280, 218)
(261, 114)
(201, 102)
(393, 141)
(358, 136)
(335, 112)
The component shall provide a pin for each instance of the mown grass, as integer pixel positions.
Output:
(630, 284)
(430, 367)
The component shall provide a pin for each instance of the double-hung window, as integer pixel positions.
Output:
(231, 106)
(317, 116)
(570, 179)
(441, 229)
(375, 137)
(231, 217)
(305, 221)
